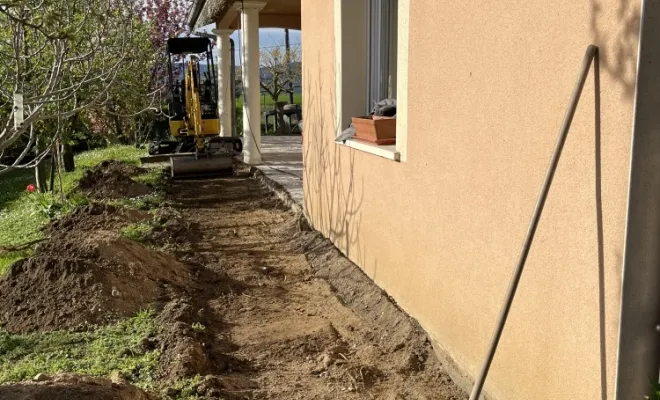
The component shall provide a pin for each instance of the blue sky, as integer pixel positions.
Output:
(268, 37)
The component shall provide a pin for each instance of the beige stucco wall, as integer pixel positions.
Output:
(488, 85)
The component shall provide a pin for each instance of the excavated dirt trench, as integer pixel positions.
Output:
(293, 317)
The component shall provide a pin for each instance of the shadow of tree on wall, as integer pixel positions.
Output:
(330, 186)
(334, 197)
(617, 40)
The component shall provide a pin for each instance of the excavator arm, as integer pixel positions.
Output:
(193, 104)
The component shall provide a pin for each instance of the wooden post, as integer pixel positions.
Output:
(40, 170)
(287, 43)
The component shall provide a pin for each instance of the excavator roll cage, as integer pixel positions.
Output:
(199, 51)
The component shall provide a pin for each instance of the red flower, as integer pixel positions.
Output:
(31, 188)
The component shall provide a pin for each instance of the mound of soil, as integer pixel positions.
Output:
(86, 274)
(112, 180)
(73, 387)
(183, 349)
(91, 218)
(188, 344)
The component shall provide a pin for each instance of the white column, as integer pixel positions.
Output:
(225, 96)
(251, 85)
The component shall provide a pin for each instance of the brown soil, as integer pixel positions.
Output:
(288, 316)
(73, 387)
(112, 180)
(86, 274)
(174, 232)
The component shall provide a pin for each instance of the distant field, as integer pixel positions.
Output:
(267, 103)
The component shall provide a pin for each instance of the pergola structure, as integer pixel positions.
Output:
(248, 16)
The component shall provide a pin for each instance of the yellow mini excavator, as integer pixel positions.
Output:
(197, 149)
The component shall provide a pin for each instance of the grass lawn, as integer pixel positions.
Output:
(118, 348)
(23, 214)
(110, 349)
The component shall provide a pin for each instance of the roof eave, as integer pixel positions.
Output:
(195, 10)
(205, 12)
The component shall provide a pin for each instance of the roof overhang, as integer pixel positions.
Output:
(193, 15)
(224, 13)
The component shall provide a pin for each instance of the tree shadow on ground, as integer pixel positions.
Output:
(13, 184)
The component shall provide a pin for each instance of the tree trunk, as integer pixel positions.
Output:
(59, 171)
(282, 128)
(53, 164)
(118, 129)
(40, 171)
(67, 157)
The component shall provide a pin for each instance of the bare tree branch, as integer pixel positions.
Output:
(65, 57)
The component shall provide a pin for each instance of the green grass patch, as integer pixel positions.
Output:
(127, 154)
(146, 202)
(111, 349)
(136, 231)
(184, 389)
(12, 184)
(267, 102)
(23, 214)
(21, 220)
(7, 259)
(151, 178)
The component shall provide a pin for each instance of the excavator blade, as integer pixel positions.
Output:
(218, 159)
(192, 167)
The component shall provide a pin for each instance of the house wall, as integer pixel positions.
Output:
(487, 87)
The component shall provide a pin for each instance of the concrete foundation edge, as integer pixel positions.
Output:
(462, 379)
(276, 188)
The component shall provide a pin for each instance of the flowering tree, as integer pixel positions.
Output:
(168, 18)
(138, 98)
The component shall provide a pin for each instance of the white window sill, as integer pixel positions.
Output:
(389, 152)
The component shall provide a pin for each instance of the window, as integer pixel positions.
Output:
(382, 22)
(371, 65)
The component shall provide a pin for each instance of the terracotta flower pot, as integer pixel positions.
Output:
(378, 130)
